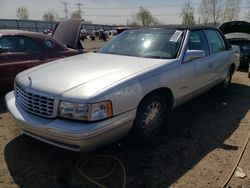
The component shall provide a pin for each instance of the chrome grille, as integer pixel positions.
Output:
(35, 102)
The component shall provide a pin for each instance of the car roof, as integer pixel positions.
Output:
(176, 27)
(30, 34)
(19, 32)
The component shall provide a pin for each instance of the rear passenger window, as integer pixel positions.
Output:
(215, 41)
(197, 41)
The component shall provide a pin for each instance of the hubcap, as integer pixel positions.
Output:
(152, 119)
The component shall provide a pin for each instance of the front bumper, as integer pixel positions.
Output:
(70, 134)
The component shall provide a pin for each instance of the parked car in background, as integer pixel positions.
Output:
(121, 29)
(20, 50)
(128, 86)
(238, 33)
(103, 35)
(83, 34)
(92, 35)
(48, 32)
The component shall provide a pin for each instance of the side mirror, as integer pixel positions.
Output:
(192, 55)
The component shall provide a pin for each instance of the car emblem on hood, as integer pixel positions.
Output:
(30, 80)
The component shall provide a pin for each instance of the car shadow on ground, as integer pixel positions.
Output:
(3, 92)
(192, 131)
(243, 69)
(2, 105)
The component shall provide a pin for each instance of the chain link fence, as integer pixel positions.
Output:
(40, 26)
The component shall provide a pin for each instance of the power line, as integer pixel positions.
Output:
(79, 8)
(120, 15)
(179, 5)
(65, 4)
(79, 5)
(134, 7)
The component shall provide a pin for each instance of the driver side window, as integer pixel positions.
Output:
(197, 41)
(19, 44)
(5, 44)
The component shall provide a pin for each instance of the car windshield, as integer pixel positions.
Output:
(148, 43)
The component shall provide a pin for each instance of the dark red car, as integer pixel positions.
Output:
(20, 50)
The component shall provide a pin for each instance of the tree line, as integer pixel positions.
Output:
(50, 15)
(210, 12)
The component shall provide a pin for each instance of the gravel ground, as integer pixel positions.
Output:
(198, 147)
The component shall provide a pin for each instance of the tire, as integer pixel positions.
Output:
(150, 117)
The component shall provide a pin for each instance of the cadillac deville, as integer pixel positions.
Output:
(127, 87)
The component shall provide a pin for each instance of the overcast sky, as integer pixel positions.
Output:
(104, 11)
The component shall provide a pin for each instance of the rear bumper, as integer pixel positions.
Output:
(70, 134)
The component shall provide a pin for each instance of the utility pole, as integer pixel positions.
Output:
(79, 8)
(65, 4)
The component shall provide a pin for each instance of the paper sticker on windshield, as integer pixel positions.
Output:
(175, 37)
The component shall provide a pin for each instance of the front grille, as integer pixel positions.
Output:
(35, 102)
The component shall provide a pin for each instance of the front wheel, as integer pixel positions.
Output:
(149, 119)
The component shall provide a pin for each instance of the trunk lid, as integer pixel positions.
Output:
(68, 32)
(235, 27)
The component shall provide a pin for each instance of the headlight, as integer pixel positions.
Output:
(86, 112)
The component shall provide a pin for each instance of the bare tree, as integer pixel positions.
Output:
(133, 22)
(155, 21)
(187, 14)
(205, 11)
(145, 18)
(217, 10)
(76, 15)
(248, 10)
(232, 10)
(49, 16)
(211, 11)
(22, 13)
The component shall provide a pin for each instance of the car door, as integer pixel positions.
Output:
(219, 54)
(195, 73)
(18, 53)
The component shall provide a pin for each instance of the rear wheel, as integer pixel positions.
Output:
(225, 85)
(228, 79)
(150, 117)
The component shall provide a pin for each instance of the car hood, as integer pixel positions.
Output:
(84, 75)
(68, 32)
(235, 27)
